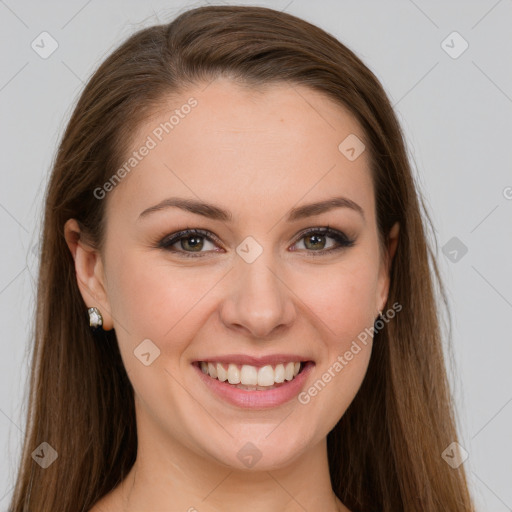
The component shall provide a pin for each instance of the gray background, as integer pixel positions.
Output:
(457, 117)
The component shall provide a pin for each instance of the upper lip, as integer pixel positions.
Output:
(242, 359)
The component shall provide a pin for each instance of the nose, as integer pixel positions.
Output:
(258, 302)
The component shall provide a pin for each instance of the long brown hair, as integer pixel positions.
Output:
(385, 452)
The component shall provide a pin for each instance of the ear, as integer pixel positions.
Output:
(89, 272)
(384, 277)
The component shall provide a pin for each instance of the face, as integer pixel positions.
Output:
(260, 285)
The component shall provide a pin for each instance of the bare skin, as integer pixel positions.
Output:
(257, 154)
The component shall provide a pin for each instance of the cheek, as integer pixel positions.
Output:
(144, 299)
(158, 302)
(342, 297)
(156, 299)
(343, 303)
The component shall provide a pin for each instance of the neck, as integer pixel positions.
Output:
(168, 475)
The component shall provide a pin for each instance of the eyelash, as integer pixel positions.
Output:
(168, 241)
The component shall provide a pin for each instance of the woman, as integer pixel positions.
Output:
(235, 305)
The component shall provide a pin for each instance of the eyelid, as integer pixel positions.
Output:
(343, 240)
(171, 239)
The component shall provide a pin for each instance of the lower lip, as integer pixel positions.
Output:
(257, 399)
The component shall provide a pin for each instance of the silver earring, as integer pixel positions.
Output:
(95, 318)
(376, 329)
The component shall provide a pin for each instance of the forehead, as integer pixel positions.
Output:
(247, 146)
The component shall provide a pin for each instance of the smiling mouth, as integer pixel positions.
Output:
(253, 378)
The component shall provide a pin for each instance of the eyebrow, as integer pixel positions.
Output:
(216, 213)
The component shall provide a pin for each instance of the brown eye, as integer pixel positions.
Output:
(194, 243)
(190, 242)
(316, 240)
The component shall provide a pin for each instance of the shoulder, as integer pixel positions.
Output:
(106, 504)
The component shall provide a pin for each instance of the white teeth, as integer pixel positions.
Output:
(288, 371)
(233, 374)
(279, 373)
(266, 376)
(251, 377)
(222, 374)
(212, 370)
(254, 388)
